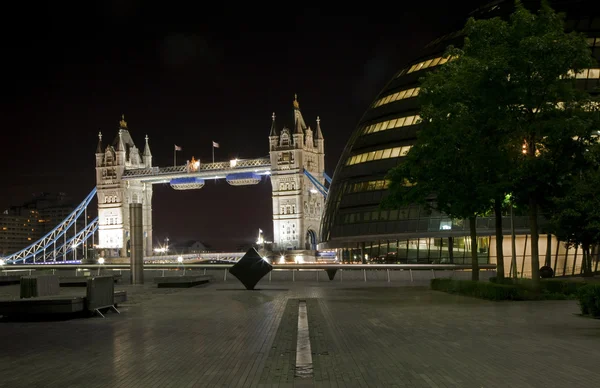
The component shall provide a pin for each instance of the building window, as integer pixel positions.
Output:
(377, 155)
(407, 93)
(424, 65)
(391, 124)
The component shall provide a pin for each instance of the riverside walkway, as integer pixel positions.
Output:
(362, 334)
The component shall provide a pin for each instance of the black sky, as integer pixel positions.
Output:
(188, 74)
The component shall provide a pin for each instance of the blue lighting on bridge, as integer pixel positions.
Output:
(187, 180)
(187, 183)
(243, 178)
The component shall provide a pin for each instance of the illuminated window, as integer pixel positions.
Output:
(378, 155)
(593, 42)
(391, 124)
(585, 74)
(424, 65)
(408, 93)
(358, 187)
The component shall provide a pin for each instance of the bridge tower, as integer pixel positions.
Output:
(297, 205)
(115, 195)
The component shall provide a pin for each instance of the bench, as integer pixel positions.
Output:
(40, 285)
(6, 280)
(42, 297)
(81, 281)
(184, 281)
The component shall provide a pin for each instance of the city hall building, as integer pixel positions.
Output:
(353, 222)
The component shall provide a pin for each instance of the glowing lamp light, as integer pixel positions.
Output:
(101, 260)
(314, 191)
(233, 163)
(180, 259)
(299, 259)
(281, 259)
(2, 262)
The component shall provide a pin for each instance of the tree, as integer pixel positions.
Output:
(459, 157)
(576, 214)
(449, 166)
(542, 105)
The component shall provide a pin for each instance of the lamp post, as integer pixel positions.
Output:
(180, 261)
(513, 243)
(101, 262)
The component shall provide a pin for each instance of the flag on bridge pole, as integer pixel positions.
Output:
(177, 148)
(215, 145)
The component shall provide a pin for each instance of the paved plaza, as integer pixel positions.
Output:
(361, 335)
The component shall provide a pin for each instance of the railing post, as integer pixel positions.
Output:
(270, 273)
(318, 275)
(341, 275)
(388, 274)
(163, 273)
(365, 274)
(293, 275)
(410, 271)
(225, 275)
(432, 273)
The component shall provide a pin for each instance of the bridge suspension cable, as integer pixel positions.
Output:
(318, 185)
(51, 238)
(71, 244)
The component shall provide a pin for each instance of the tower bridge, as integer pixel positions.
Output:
(125, 175)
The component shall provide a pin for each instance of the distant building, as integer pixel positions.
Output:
(22, 225)
(189, 246)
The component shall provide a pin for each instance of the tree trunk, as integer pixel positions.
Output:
(587, 261)
(451, 249)
(499, 238)
(535, 254)
(548, 262)
(474, 253)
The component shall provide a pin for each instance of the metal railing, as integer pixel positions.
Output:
(390, 270)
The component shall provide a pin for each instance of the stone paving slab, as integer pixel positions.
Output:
(361, 335)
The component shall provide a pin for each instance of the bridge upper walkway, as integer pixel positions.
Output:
(217, 170)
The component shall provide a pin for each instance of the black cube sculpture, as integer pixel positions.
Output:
(250, 269)
(331, 273)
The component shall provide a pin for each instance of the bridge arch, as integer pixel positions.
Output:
(311, 240)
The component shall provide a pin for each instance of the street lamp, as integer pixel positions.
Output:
(101, 262)
(180, 261)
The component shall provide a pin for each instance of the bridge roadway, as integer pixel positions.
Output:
(206, 171)
(361, 335)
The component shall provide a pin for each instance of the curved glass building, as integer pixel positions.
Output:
(353, 222)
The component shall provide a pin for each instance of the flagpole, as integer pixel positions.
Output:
(174, 156)
(213, 151)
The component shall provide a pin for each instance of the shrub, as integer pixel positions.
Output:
(559, 286)
(589, 299)
(484, 290)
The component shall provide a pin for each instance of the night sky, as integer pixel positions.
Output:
(187, 75)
